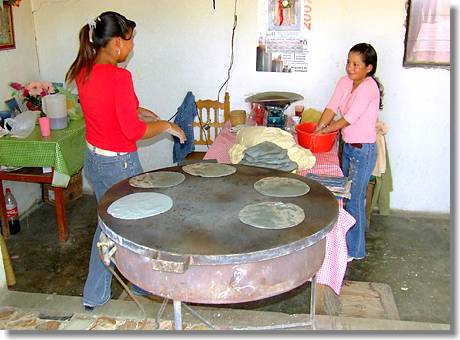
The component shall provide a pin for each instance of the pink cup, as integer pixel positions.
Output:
(44, 126)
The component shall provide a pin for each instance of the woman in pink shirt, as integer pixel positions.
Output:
(358, 99)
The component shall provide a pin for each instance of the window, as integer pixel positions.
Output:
(427, 33)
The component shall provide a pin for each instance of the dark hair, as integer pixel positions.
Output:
(369, 56)
(95, 35)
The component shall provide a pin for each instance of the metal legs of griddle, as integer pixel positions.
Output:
(178, 314)
(313, 301)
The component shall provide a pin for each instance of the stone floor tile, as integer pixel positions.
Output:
(22, 323)
(6, 313)
(50, 325)
(77, 323)
(104, 323)
(128, 325)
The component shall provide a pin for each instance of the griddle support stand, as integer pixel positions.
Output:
(177, 315)
(313, 301)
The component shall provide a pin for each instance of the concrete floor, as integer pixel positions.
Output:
(410, 254)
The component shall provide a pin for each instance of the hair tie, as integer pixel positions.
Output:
(92, 26)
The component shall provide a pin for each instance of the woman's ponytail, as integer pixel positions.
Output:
(85, 56)
(94, 35)
(381, 90)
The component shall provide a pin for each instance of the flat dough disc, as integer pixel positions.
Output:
(158, 179)
(272, 215)
(209, 169)
(140, 205)
(281, 187)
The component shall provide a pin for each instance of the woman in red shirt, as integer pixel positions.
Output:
(114, 123)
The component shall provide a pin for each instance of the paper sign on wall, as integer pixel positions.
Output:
(284, 32)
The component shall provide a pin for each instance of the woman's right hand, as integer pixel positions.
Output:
(319, 128)
(176, 131)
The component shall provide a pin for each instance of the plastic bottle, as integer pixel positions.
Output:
(12, 212)
(288, 123)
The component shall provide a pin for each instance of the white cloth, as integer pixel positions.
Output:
(380, 164)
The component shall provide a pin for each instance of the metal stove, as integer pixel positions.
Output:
(200, 252)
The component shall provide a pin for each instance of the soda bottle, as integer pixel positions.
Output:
(12, 212)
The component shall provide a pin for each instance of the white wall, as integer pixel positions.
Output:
(184, 45)
(21, 65)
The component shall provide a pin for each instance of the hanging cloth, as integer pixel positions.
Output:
(184, 118)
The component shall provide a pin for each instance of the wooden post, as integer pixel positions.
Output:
(6, 263)
(226, 106)
(3, 284)
(5, 226)
(327, 302)
(63, 233)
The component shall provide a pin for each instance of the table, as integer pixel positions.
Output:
(63, 151)
(334, 266)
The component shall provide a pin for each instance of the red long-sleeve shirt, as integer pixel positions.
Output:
(109, 105)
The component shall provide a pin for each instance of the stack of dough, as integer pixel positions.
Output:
(253, 135)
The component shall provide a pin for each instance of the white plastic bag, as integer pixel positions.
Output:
(22, 125)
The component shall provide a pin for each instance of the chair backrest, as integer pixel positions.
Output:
(211, 117)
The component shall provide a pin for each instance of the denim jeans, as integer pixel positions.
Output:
(357, 165)
(185, 115)
(103, 172)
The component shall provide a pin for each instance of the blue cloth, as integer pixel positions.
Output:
(357, 165)
(102, 173)
(184, 118)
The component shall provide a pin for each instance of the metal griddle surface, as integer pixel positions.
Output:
(204, 223)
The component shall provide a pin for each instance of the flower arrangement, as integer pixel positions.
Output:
(31, 94)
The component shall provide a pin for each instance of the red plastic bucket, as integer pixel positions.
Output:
(314, 141)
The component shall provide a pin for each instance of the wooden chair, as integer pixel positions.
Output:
(211, 117)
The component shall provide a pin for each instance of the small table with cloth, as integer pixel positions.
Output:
(334, 266)
(63, 151)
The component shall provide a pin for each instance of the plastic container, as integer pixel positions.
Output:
(55, 108)
(315, 142)
(12, 212)
(237, 117)
(291, 123)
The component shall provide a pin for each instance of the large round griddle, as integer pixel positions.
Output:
(203, 223)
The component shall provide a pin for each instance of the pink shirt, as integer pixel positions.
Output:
(360, 108)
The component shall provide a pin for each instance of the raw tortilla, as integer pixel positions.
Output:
(209, 169)
(272, 215)
(158, 179)
(281, 187)
(140, 205)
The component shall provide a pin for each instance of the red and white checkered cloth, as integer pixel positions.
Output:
(334, 266)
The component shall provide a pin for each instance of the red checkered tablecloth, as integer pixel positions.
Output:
(334, 266)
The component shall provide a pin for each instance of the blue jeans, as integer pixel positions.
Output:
(103, 172)
(357, 165)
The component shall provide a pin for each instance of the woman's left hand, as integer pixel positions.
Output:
(146, 115)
